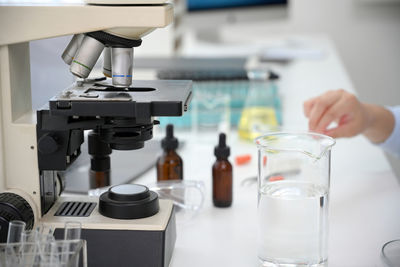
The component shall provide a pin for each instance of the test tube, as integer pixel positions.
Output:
(72, 230)
(15, 229)
(29, 236)
(67, 253)
(64, 249)
(29, 251)
(45, 242)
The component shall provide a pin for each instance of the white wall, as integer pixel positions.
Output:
(367, 36)
(365, 32)
(49, 73)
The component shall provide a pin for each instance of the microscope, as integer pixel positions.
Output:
(127, 225)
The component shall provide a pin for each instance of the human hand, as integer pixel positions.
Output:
(352, 116)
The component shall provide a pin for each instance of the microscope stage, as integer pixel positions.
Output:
(101, 98)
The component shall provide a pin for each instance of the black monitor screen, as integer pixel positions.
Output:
(194, 5)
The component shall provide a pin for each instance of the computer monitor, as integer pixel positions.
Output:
(196, 5)
(206, 16)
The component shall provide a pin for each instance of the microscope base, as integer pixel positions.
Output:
(113, 242)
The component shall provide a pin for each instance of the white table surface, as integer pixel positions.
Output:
(364, 196)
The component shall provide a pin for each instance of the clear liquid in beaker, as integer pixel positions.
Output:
(293, 224)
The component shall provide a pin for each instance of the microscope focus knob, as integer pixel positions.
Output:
(14, 207)
(128, 201)
(47, 144)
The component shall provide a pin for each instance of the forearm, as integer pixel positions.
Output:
(380, 123)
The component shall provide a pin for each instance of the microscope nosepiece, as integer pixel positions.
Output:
(72, 48)
(86, 57)
(122, 61)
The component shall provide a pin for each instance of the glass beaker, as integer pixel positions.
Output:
(293, 196)
(390, 254)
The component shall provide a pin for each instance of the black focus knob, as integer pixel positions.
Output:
(14, 207)
(128, 201)
(47, 144)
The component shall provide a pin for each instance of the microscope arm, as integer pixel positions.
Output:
(38, 21)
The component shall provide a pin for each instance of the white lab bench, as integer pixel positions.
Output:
(364, 196)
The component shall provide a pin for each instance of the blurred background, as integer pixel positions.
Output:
(365, 33)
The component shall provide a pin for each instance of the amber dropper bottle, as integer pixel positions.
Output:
(169, 164)
(222, 175)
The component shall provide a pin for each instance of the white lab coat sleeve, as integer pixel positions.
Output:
(392, 143)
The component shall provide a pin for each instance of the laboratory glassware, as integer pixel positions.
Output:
(72, 230)
(169, 165)
(187, 195)
(262, 108)
(63, 253)
(222, 174)
(211, 110)
(293, 198)
(390, 254)
(15, 229)
(29, 236)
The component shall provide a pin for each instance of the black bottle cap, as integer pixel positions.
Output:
(273, 76)
(169, 142)
(222, 150)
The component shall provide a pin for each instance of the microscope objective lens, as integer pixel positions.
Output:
(72, 48)
(86, 57)
(107, 62)
(122, 61)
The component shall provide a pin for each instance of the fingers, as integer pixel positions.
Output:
(320, 106)
(341, 107)
(340, 131)
(307, 106)
(335, 112)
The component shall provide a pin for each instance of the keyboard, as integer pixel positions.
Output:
(203, 75)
